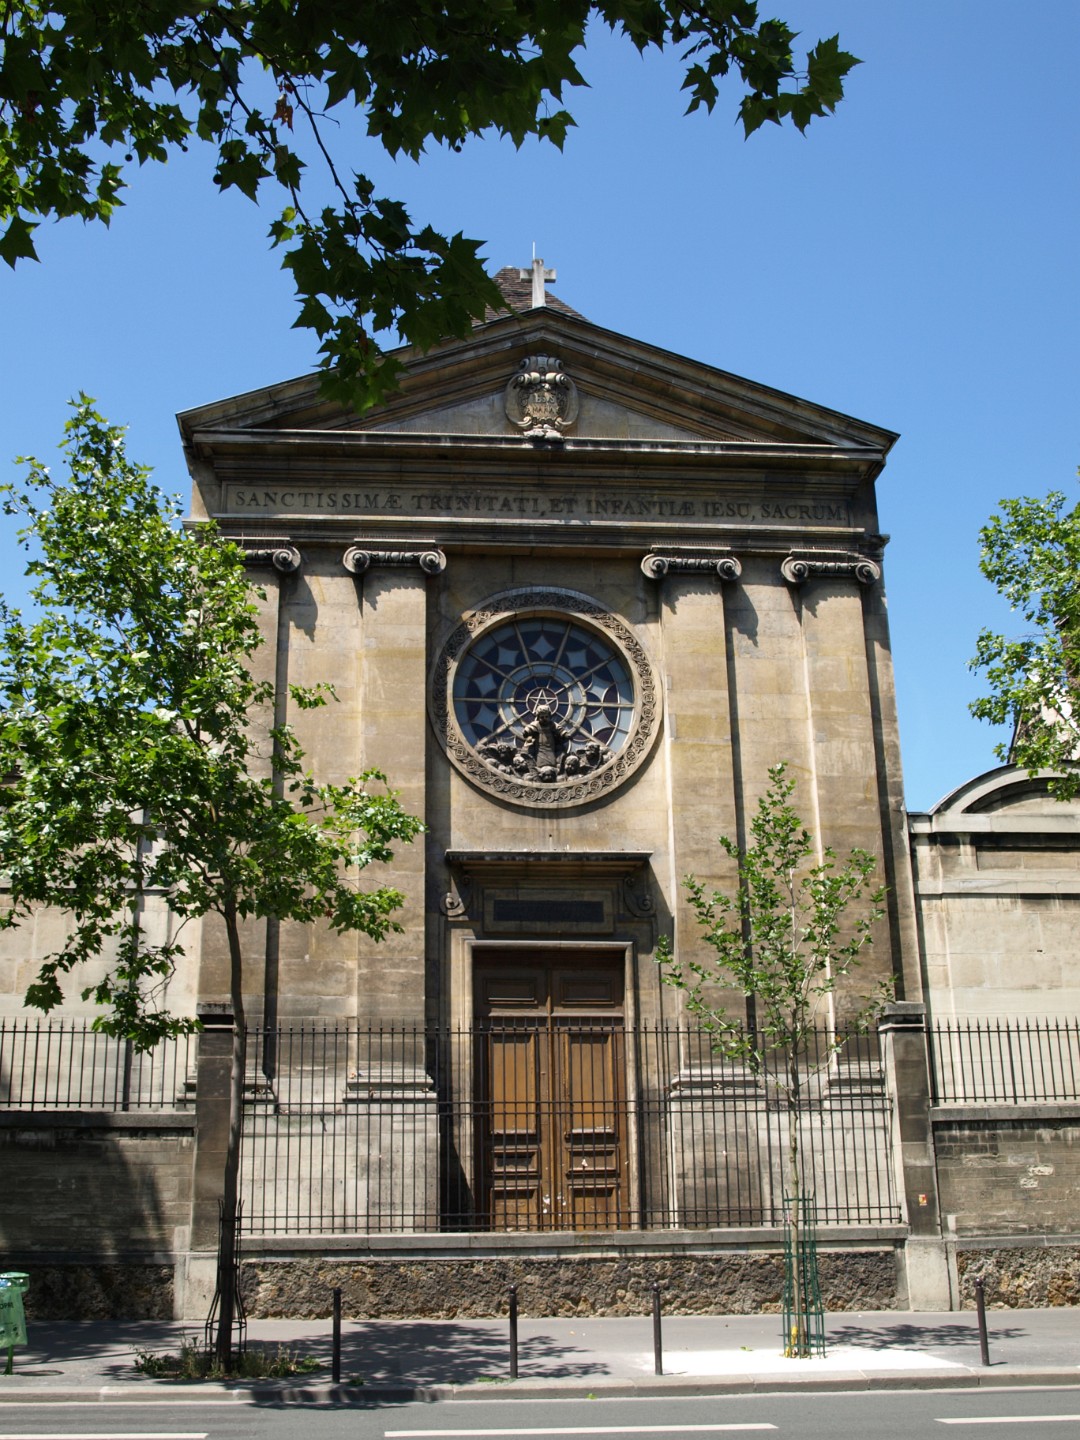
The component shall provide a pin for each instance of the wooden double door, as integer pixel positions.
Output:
(551, 1092)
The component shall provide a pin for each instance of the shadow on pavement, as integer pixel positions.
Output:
(89, 1344)
(404, 1353)
(441, 1352)
(918, 1337)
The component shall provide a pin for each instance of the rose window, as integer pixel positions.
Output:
(544, 698)
(546, 705)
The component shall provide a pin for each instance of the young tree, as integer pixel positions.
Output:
(140, 757)
(789, 933)
(1031, 552)
(87, 89)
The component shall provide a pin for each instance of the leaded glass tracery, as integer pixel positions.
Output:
(544, 698)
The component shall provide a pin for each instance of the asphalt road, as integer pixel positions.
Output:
(882, 1415)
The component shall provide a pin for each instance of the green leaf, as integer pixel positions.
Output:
(76, 81)
(16, 242)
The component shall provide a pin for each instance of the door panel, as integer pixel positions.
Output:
(590, 1127)
(551, 1094)
(511, 1135)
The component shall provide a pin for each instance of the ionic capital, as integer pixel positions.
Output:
(360, 558)
(721, 563)
(281, 554)
(801, 564)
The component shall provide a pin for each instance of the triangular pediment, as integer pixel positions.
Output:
(622, 391)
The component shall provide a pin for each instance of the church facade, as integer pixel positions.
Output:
(575, 597)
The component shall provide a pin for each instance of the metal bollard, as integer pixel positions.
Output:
(657, 1340)
(980, 1306)
(513, 1333)
(335, 1362)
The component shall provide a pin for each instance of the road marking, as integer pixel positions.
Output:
(578, 1430)
(111, 1435)
(1013, 1420)
(127, 1404)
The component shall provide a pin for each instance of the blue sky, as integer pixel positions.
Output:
(912, 261)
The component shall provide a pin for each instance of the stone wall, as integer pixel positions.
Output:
(443, 1289)
(1009, 1170)
(997, 884)
(96, 1205)
(1021, 1277)
(96, 1291)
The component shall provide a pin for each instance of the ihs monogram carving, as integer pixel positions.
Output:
(541, 399)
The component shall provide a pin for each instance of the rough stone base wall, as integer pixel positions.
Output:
(1024, 1278)
(99, 1292)
(438, 1289)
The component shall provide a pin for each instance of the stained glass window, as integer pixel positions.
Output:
(544, 698)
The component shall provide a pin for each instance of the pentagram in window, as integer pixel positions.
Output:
(544, 699)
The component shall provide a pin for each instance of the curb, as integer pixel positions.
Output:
(607, 1388)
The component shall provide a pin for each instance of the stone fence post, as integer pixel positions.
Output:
(905, 1051)
(197, 1273)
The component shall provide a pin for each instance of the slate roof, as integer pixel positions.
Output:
(518, 295)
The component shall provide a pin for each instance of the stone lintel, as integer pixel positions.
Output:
(491, 865)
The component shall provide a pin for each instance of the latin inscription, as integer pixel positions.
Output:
(568, 508)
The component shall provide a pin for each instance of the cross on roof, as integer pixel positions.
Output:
(538, 275)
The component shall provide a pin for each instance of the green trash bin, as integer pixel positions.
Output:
(13, 1286)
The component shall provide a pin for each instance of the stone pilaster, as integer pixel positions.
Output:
(699, 746)
(907, 1072)
(393, 721)
(844, 757)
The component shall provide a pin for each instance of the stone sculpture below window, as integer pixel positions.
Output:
(548, 704)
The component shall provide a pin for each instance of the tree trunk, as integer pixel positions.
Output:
(797, 1343)
(223, 1342)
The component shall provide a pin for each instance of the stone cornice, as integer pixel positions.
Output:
(354, 442)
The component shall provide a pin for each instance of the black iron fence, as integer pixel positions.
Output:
(571, 1125)
(68, 1065)
(986, 1062)
(567, 1125)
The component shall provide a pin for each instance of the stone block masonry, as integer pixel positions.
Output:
(96, 1207)
(1009, 1170)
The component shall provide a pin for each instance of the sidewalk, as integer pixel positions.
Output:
(469, 1359)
